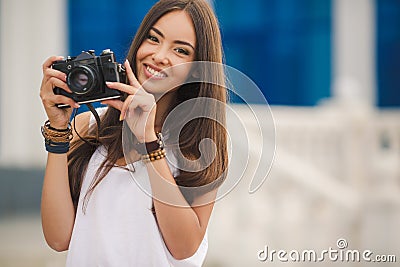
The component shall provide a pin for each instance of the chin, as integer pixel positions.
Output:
(158, 87)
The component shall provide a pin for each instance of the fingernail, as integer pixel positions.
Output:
(121, 118)
(76, 105)
(109, 83)
(127, 61)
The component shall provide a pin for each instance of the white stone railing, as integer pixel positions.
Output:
(351, 146)
(335, 175)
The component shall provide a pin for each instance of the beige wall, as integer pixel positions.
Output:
(30, 32)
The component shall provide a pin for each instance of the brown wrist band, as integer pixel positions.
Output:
(47, 124)
(59, 136)
(149, 147)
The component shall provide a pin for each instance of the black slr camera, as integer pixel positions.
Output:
(87, 74)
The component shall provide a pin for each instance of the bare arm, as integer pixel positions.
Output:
(182, 227)
(57, 210)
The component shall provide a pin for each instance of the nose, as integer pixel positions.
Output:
(160, 56)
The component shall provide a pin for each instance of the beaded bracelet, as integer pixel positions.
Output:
(155, 155)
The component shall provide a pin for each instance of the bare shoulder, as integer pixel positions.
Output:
(80, 123)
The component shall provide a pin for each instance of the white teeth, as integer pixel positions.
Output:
(156, 73)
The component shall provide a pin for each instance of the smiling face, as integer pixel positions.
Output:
(170, 43)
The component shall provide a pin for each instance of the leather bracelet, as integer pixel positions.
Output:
(47, 124)
(56, 140)
(56, 135)
(57, 147)
(60, 130)
(149, 147)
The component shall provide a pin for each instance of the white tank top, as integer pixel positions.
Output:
(118, 227)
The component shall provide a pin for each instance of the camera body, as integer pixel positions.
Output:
(87, 75)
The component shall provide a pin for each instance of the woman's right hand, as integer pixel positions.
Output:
(58, 117)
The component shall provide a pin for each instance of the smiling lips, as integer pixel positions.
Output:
(155, 73)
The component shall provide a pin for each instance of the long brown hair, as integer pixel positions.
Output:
(208, 48)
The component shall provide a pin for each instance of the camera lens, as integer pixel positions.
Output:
(81, 80)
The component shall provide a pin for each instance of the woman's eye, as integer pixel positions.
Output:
(182, 51)
(152, 38)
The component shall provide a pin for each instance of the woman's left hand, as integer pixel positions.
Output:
(139, 107)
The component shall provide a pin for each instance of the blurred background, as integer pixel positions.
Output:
(330, 72)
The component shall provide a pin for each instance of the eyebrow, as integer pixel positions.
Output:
(176, 41)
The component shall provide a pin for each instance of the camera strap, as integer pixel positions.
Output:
(97, 118)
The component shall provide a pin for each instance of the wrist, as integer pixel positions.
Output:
(150, 136)
(150, 145)
(57, 140)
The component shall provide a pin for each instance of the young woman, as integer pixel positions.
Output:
(91, 206)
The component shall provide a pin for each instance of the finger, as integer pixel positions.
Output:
(59, 99)
(59, 83)
(117, 104)
(125, 106)
(55, 73)
(131, 76)
(49, 72)
(131, 90)
(50, 61)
